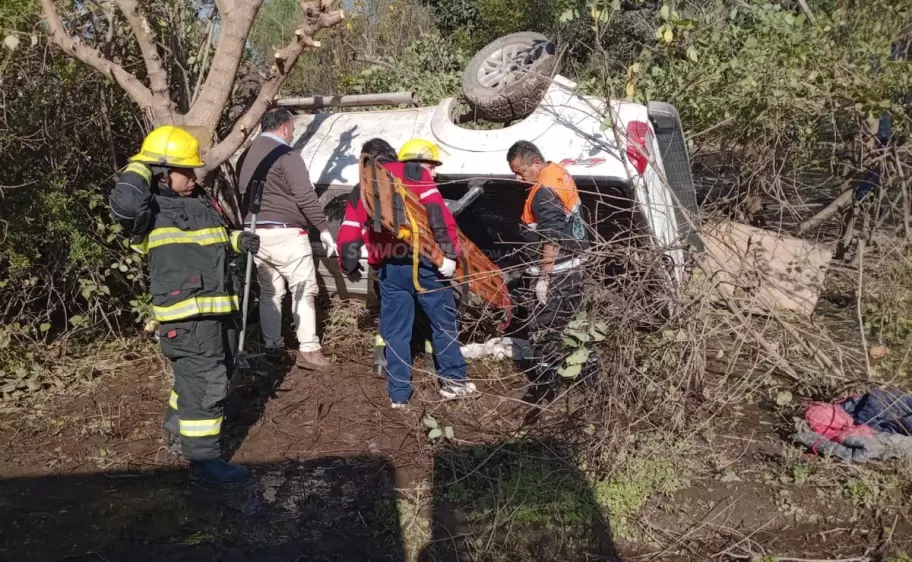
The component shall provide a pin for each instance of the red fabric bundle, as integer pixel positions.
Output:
(833, 422)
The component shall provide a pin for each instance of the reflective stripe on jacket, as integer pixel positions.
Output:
(356, 231)
(187, 244)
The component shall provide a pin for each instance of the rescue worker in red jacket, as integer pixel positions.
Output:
(194, 293)
(356, 218)
(392, 257)
(552, 221)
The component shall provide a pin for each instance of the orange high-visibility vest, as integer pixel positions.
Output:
(556, 178)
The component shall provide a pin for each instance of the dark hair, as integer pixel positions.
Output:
(379, 149)
(525, 151)
(275, 118)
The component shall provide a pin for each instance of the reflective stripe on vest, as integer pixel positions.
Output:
(173, 235)
(195, 306)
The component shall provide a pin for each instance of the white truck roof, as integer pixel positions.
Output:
(566, 127)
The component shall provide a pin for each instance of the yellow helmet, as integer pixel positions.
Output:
(420, 149)
(170, 146)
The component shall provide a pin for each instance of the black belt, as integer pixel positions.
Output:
(266, 226)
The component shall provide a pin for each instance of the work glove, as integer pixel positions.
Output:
(448, 268)
(356, 274)
(249, 243)
(541, 290)
(329, 243)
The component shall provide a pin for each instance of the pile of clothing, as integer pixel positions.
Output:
(872, 426)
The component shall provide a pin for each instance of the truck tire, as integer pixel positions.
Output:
(507, 78)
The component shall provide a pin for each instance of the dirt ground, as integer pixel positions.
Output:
(338, 475)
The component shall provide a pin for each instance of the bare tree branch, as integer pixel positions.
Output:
(317, 15)
(158, 76)
(92, 57)
(224, 6)
(236, 21)
(203, 57)
(807, 11)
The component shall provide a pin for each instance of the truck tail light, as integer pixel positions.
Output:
(637, 145)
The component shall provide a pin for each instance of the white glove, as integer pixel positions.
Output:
(541, 290)
(448, 268)
(329, 243)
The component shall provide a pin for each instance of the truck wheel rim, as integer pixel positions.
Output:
(507, 65)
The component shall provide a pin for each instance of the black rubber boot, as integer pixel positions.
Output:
(217, 471)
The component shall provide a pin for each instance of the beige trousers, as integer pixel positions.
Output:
(285, 256)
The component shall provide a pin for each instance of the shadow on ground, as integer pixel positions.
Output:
(329, 509)
(510, 502)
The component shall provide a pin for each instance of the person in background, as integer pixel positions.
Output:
(194, 295)
(289, 209)
(553, 225)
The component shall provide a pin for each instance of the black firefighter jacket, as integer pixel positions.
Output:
(187, 244)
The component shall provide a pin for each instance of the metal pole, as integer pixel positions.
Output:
(256, 198)
(363, 100)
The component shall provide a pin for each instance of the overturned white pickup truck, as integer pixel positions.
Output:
(629, 160)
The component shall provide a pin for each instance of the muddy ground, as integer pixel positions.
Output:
(338, 475)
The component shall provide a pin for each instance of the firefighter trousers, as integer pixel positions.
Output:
(201, 352)
(398, 297)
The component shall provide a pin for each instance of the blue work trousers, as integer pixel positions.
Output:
(397, 317)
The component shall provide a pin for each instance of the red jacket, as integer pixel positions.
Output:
(357, 227)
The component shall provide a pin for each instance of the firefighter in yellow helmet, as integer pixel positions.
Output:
(423, 151)
(172, 220)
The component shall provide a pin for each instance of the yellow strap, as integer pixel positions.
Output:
(416, 237)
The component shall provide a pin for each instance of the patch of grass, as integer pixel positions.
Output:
(406, 517)
(860, 492)
(525, 500)
(535, 494)
(345, 333)
(801, 472)
(867, 489)
(654, 465)
(624, 495)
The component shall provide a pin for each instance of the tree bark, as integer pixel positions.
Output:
(316, 17)
(237, 21)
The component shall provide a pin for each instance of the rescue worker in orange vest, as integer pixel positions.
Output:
(172, 220)
(552, 221)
